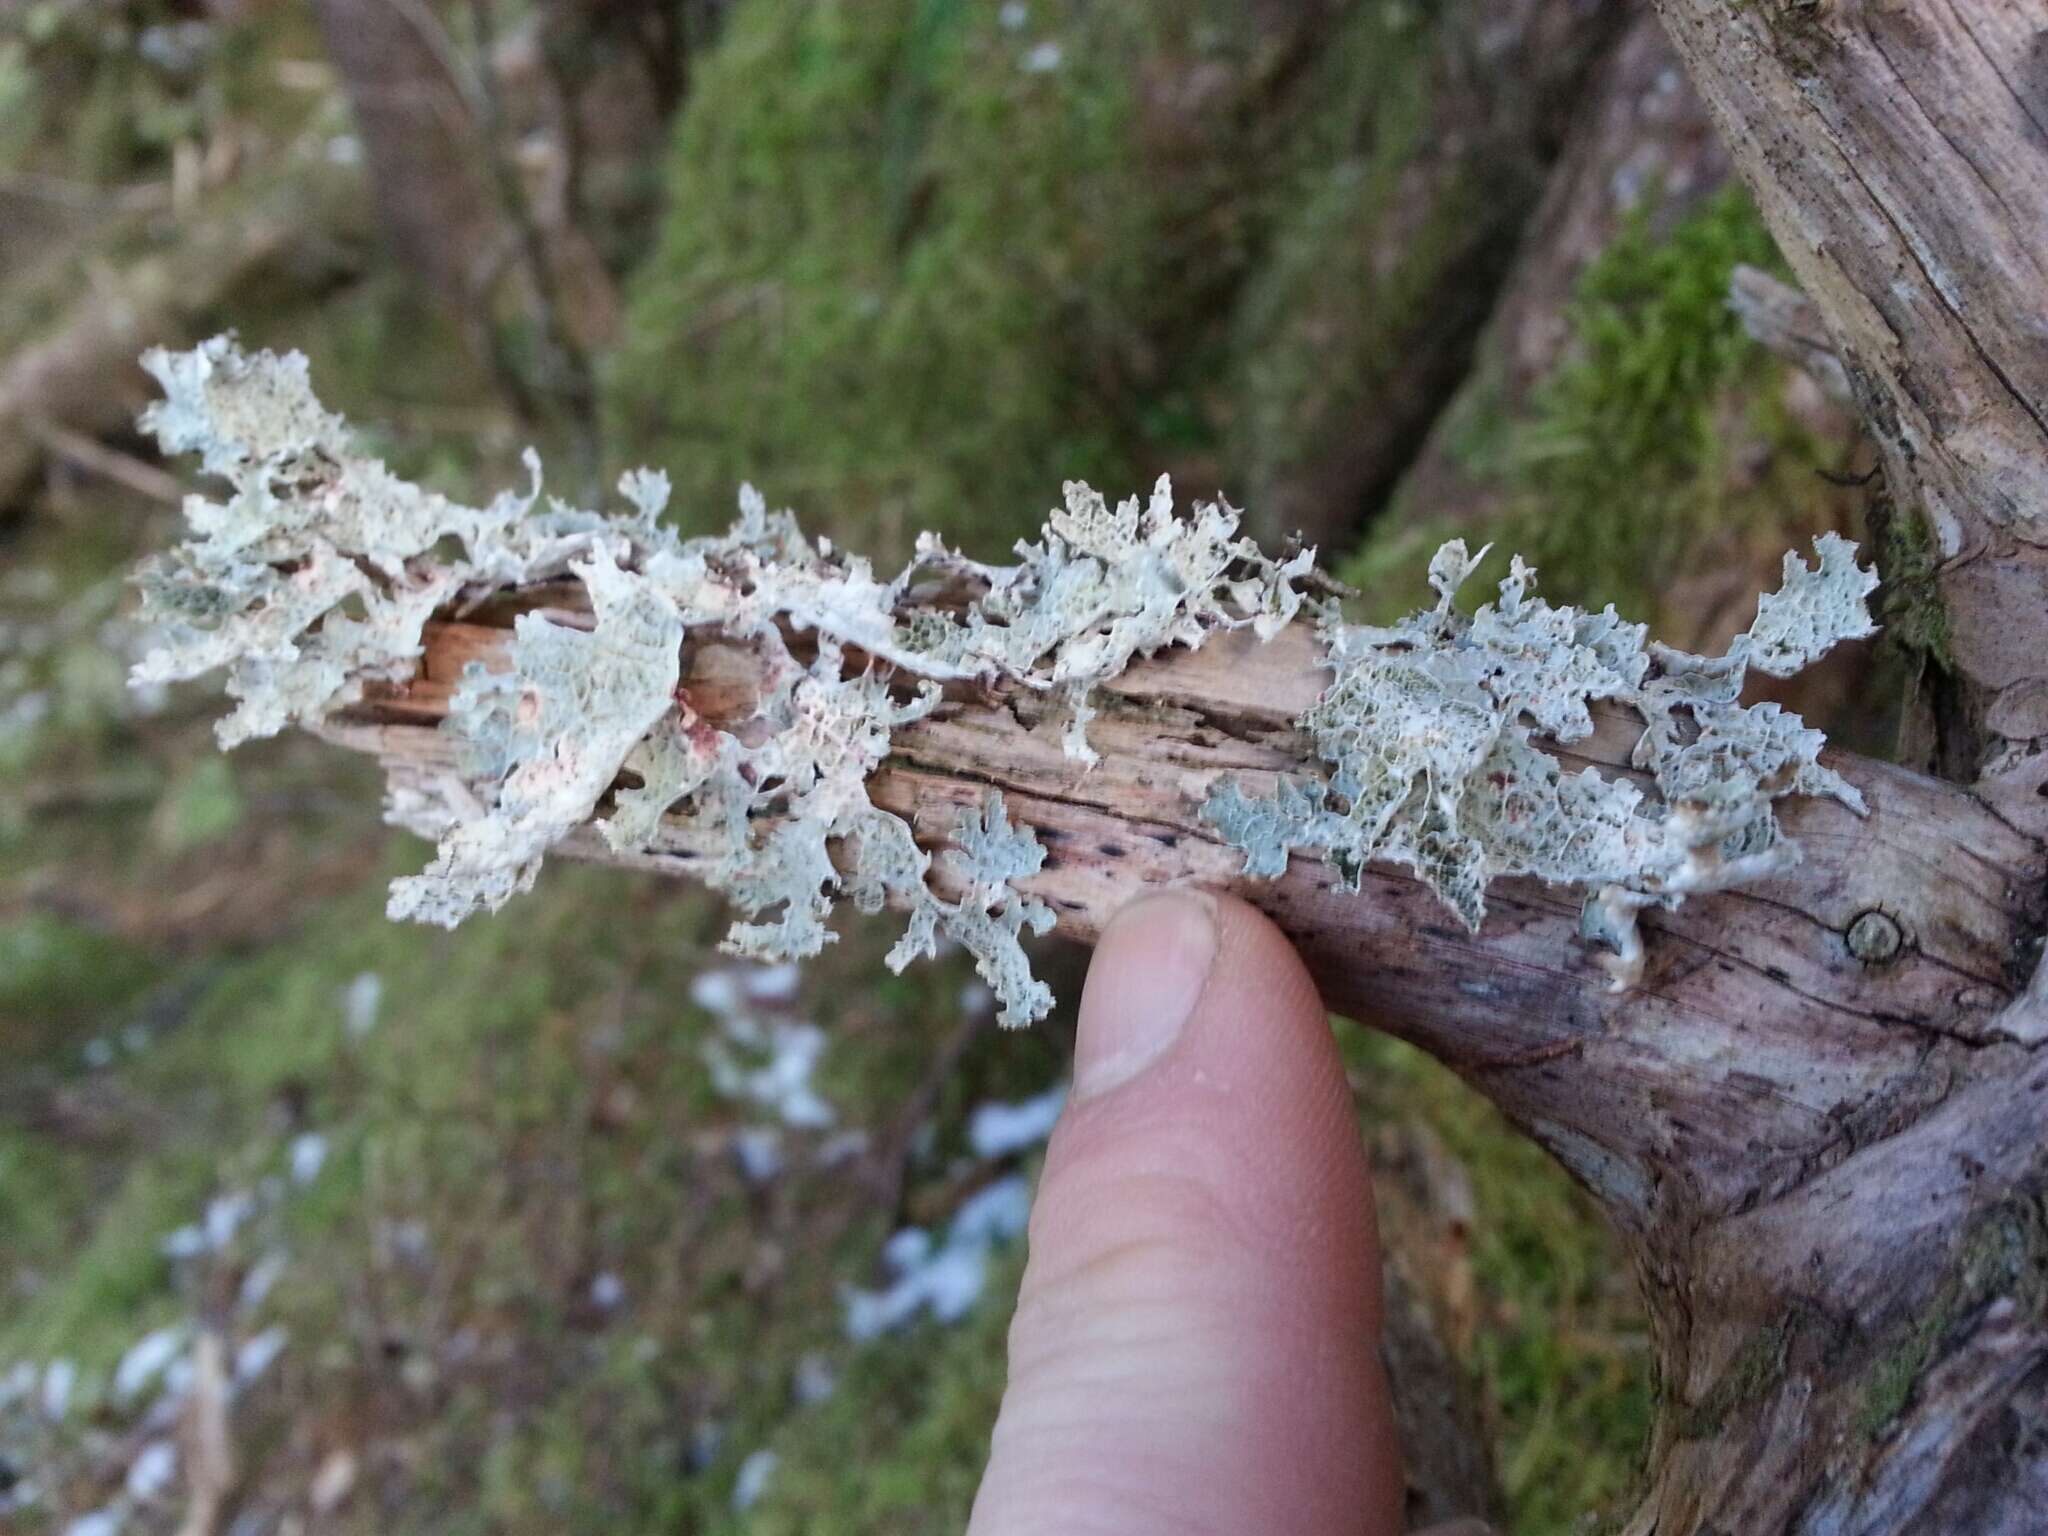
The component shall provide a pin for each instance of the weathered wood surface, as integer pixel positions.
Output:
(1743, 989)
(1899, 151)
(1781, 1127)
(1868, 1350)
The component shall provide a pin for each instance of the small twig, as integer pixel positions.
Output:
(143, 197)
(209, 1453)
(1785, 322)
(108, 463)
(890, 1166)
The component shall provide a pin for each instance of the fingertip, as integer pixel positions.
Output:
(1148, 973)
(1195, 1345)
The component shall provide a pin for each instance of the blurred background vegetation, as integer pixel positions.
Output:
(473, 1232)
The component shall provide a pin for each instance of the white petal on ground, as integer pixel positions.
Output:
(813, 1380)
(752, 1480)
(758, 1151)
(360, 1001)
(59, 1377)
(997, 1129)
(257, 1354)
(716, 992)
(945, 1279)
(771, 983)
(308, 1156)
(225, 1215)
(152, 1470)
(147, 1358)
(261, 1280)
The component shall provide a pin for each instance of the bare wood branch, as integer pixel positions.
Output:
(95, 457)
(1832, 1041)
(79, 377)
(1738, 969)
(1783, 321)
(1900, 155)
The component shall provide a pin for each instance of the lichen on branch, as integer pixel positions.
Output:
(315, 577)
(1430, 730)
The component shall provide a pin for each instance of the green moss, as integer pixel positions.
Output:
(2003, 1254)
(51, 968)
(1756, 1368)
(1561, 1348)
(856, 297)
(913, 1414)
(918, 267)
(1622, 458)
(115, 1282)
(1622, 463)
(1909, 605)
(1342, 330)
(201, 805)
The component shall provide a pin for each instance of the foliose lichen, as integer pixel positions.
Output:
(313, 581)
(1430, 729)
(315, 577)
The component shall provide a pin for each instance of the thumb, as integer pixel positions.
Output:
(1196, 1340)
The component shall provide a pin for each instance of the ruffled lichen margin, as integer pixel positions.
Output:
(1431, 726)
(314, 578)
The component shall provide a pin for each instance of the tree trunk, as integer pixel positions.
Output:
(1375, 332)
(1900, 154)
(1638, 140)
(427, 159)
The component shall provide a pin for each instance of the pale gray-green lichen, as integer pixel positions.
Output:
(1428, 729)
(315, 577)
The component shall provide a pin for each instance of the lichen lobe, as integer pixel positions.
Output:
(314, 578)
(1430, 730)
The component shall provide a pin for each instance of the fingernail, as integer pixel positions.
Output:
(1148, 973)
